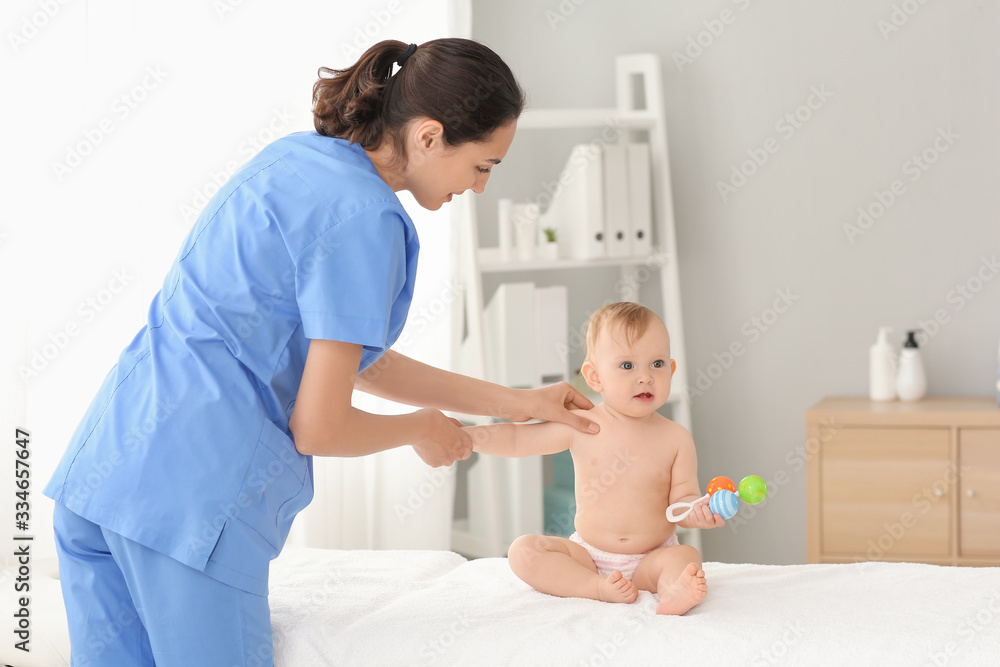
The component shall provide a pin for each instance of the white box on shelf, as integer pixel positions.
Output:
(509, 335)
(505, 228)
(640, 200)
(551, 326)
(616, 204)
(577, 208)
(524, 218)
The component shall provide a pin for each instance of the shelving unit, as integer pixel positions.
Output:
(506, 495)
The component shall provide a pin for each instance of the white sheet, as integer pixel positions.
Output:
(436, 608)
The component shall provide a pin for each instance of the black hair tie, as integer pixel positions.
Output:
(406, 54)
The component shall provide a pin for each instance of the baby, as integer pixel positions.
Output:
(626, 476)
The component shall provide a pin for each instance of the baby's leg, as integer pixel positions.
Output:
(675, 574)
(556, 566)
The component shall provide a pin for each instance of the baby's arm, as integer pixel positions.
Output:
(516, 440)
(684, 484)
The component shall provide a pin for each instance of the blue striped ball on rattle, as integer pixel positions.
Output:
(722, 497)
(724, 503)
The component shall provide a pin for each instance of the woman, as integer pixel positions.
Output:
(182, 480)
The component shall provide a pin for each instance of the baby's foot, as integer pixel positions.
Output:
(678, 596)
(616, 588)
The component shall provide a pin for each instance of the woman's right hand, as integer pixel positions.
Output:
(442, 441)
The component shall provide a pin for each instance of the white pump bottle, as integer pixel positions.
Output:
(882, 368)
(911, 380)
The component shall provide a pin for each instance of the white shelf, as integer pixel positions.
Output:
(547, 119)
(487, 532)
(490, 262)
(467, 543)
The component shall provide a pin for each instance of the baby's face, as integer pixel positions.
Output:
(634, 380)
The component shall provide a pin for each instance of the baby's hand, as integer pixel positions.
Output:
(702, 517)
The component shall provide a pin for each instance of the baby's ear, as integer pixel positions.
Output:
(589, 373)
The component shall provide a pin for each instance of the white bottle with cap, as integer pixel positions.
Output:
(882, 368)
(911, 380)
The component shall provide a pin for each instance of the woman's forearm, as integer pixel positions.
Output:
(361, 433)
(399, 378)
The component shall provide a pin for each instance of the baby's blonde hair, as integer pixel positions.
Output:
(632, 318)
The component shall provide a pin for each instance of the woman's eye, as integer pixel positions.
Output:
(483, 171)
(627, 365)
(658, 363)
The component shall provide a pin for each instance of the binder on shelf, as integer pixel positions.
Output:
(577, 208)
(640, 200)
(509, 335)
(551, 327)
(616, 201)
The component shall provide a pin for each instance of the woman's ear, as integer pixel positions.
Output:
(425, 139)
(589, 373)
(428, 134)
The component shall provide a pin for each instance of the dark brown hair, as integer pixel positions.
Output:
(460, 83)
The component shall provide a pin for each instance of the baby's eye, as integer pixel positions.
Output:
(658, 363)
(626, 365)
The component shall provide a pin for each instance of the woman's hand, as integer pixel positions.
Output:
(442, 441)
(553, 403)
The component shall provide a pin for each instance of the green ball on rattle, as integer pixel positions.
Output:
(753, 489)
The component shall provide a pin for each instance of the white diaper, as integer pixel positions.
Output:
(608, 562)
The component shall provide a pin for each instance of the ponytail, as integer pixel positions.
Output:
(347, 103)
(460, 83)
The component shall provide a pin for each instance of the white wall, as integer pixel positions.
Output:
(888, 94)
(149, 106)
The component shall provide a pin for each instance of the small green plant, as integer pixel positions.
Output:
(550, 234)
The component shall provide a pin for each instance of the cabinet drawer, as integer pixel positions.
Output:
(979, 497)
(884, 492)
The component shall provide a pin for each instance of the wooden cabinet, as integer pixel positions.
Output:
(901, 481)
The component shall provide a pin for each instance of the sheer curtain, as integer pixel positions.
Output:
(392, 500)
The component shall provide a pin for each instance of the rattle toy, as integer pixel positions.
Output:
(722, 499)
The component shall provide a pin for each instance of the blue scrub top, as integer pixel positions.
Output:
(186, 447)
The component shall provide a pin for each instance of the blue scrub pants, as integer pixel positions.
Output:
(130, 606)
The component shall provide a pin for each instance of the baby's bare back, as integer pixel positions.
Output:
(623, 482)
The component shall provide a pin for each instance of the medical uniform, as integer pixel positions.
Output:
(181, 482)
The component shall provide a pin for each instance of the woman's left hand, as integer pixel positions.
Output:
(553, 403)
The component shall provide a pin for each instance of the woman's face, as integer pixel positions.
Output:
(435, 172)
